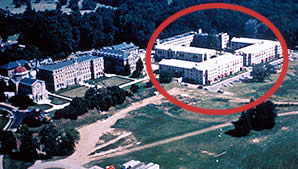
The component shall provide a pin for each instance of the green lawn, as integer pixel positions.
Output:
(40, 106)
(75, 92)
(57, 101)
(287, 91)
(274, 149)
(109, 81)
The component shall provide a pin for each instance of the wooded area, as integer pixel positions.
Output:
(57, 34)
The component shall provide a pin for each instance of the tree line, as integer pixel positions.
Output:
(44, 144)
(57, 34)
(258, 118)
(101, 99)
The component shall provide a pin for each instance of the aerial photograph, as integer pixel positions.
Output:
(82, 81)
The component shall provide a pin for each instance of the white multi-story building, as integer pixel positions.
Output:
(63, 74)
(184, 39)
(255, 51)
(204, 73)
(183, 53)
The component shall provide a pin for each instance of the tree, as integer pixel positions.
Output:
(63, 2)
(29, 144)
(213, 41)
(262, 71)
(165, 77)
(139, 65)
(126, 71)
(134, 88)
(21, 101)
(8, 142)
(89, 5)
(149, 84)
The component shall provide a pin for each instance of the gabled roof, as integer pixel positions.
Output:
(14, 64)
(60, 65)
(28, 81)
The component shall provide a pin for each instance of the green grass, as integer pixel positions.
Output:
(40, 106)
(276, 149)
(57, 101)
(113, 81)
(75, 92)
(286, 92)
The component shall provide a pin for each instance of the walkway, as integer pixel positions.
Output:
(134, 82)
(172, 139)
(59, 96)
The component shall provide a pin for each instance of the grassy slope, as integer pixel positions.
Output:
(277, 149)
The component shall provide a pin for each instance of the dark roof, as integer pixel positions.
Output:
(14, 64)
(60, 65)
(121, 51)
(28, 81)
(123, 46)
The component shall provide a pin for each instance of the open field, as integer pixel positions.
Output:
(268, 148)
(40, 106)
(113, 81)
(57, 101)
(75, 92)
(287, 91)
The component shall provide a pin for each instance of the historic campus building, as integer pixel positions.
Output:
(116, 57)
(22, 83)
(63, 74)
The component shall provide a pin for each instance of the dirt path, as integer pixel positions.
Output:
(165, 141)
(90, 134)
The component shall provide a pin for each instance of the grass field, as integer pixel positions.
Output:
(57, 101)
(274, 149)
(287, 91)
(75, 92)
(113, 81)
(41, 107)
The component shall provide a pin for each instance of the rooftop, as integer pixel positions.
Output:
(60, 65)
(14, 64)
(28, 81)
(211, 63)
(258, 46)
(187, 49)
(177, 37)
(249, 40)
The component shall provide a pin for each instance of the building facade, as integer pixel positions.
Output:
(255, 51)
(22, 83)
(204, 73)
(61, 75)
(183, 53)
(116, 57)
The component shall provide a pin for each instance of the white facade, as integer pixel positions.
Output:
(255, 51)
(184, 39)
(184, 53)
(205, 72)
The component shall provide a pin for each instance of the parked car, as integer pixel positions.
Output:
(220, 91)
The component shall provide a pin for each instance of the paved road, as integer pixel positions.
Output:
(59, 96)
(216, 87)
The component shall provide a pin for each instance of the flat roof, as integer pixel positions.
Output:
(177, 37)
(60, 65)
(187, 49)
(258, 46)
(249, 40)
(206, 65)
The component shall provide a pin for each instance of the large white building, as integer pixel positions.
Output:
(184, 53)
(204, 73)
(184, 39)
(255, 51)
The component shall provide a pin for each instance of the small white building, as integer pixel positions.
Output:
(134, 164)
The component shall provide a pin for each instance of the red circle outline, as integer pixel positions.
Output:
(250, 12)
